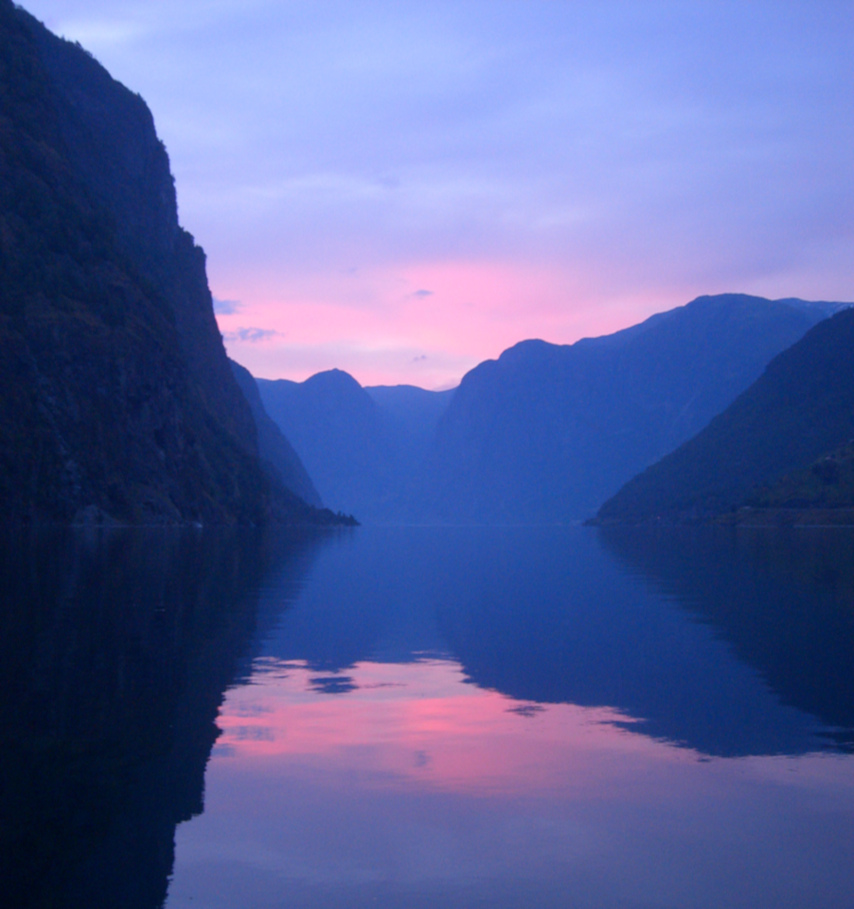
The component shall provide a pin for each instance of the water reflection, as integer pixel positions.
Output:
(528, 717)
(412, 717)
(549, 615)
(115, 651)
(783, 600)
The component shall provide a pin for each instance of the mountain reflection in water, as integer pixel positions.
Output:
(115, 650)
(414, 716)
(548, 615)
(783, 599)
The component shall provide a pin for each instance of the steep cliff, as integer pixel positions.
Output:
(118, 399)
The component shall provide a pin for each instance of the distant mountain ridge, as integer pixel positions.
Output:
(362, 447)
(276, 452)
(416, 409)
(800, 410)
(547, 433)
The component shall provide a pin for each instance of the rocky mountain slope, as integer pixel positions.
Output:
(547, 433)
(827, 484)
(118, 400)
(763, 447)
(277, 453)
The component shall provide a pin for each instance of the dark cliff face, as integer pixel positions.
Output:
(117, 395)
(110, 141)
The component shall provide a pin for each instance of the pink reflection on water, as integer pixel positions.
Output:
(404, 786)
(421, 724)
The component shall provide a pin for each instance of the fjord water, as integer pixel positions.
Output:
(408, 717)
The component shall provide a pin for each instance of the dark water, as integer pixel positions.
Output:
(465, 717)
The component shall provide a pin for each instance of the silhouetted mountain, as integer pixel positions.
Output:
(416, 409)
(118, 398)
(277, 453)
(547, 433)
(361, 446)
(799, 410)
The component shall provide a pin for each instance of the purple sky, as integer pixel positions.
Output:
(403, 189)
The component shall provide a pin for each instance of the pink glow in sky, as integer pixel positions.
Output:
(550, 170)
(431, 321)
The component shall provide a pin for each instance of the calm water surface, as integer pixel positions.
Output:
(465, 717)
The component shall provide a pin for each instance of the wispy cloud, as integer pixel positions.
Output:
(100, 34)
(251, 335)
(226, 307)
(421, 294)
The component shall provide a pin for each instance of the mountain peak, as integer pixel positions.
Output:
(333, 379)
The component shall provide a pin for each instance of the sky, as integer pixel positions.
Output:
(404, 189)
